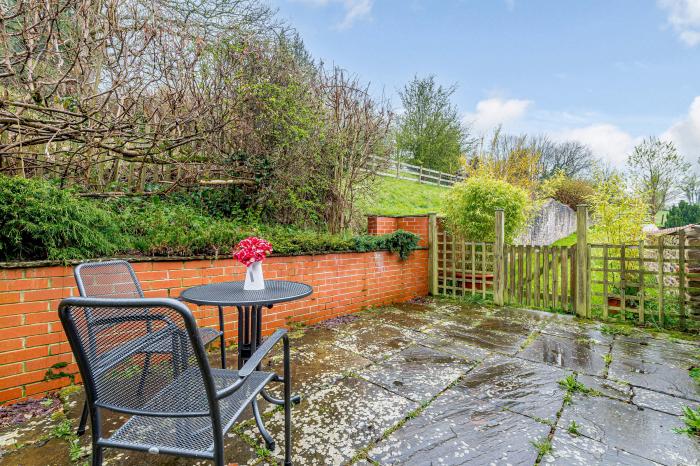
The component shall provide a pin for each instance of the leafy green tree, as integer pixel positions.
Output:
(430, 130)
(682, 214)
(469, 208)
(657, 170)
(618, 216)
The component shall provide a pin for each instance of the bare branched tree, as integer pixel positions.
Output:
(85, 83)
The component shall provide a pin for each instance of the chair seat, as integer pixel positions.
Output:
(190, 436)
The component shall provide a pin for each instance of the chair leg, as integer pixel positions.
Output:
(83, 419)
(269, 441)
(97, 456)
(287, 405)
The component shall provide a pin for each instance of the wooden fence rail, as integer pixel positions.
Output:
(395, 168)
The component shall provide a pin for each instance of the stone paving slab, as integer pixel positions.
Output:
(334, 423)
(487, 339)
(658, 377)
(377, 341)
(661, 402)
(418, 373)
(454, 430)
(576, 450)
(565, 327)
(454, 346)
(641, 432)
(579, 355)
(502, 383)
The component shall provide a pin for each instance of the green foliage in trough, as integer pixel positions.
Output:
(43, 222)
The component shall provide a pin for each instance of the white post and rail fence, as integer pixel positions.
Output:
(642, 282)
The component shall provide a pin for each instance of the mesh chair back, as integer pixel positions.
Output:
(117, 368)
(110, 279)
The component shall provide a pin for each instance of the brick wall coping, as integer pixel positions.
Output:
(402, 216)
(52, 263)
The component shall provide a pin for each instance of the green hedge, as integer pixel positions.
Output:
(40, 221)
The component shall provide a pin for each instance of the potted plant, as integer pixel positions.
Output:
(251, 252)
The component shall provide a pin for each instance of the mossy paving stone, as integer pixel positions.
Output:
(377, 341)
(411, 316)
(529, 316)
(606, 387)
(576, 450)
(623, 426)
(454, 430)
(334, 423)
(581, 356)
(50, 452)
(417, 372)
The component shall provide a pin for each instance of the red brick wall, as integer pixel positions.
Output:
(32, 339)
(418, 224)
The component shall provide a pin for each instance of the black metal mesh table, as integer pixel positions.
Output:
(250, 305)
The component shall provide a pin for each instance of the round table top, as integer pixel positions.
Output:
(233, 294)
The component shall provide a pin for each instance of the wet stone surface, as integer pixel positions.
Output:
(645, 433)
(502, 383)
(418, 373)
(333, 424)
(438, 383)
(455, 430)
(581, 355)
(642, 365)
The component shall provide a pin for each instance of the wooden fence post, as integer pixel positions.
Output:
(433, 254)
(498, 259)
(582, 278)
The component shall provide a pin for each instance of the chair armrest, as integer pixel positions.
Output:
(257, 357)
(252, 364)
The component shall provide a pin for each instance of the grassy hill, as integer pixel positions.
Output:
(400, 197)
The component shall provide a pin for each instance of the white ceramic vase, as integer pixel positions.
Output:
(254, 279)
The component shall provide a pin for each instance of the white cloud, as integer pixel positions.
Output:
(684, 18)
(685, 133)
(353, 10)
(496, 111)
(607, 141)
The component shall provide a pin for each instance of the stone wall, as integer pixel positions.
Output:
(553, 222)
(33, 347)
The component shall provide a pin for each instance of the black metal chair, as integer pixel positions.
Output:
(116, 280)
(179, 405)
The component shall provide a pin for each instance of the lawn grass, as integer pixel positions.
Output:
(401, 197)
(566, 241)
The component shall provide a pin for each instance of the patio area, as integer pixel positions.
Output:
(436, 382)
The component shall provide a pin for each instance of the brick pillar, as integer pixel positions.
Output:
(418, 224)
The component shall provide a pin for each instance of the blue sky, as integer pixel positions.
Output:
(606, 73)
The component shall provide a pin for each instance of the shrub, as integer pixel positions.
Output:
(682, 214)
(469, 207)
(41, 221)
(569, 191)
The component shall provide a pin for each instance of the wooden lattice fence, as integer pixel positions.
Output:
(654, 281)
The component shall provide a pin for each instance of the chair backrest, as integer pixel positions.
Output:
(110, 279)
(146, 347)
